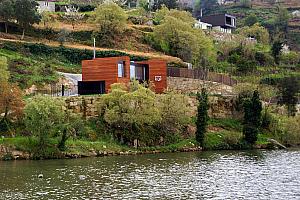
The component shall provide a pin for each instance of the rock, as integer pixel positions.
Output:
(82, 177)
(40, 176)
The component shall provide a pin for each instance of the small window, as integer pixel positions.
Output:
(121, 69)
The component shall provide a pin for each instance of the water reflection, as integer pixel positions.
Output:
(205, 175)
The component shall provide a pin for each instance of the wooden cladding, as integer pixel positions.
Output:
(106, 69)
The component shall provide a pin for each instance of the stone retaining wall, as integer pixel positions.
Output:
(220, 107)
(189, 85)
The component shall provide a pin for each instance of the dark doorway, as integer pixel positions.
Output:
(91, 87)
(142, 73)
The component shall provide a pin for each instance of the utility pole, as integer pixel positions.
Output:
(94, 48)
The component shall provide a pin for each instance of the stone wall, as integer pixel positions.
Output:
(189, 85)
(220, 107)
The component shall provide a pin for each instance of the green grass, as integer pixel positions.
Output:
(223, 140)
(28, 70)
(227, 124)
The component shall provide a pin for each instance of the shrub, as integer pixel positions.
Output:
(174, 111)
(264, 59)
(291, 59)
(44, 116)
(129, 111)
(291, 131)
(135, 112)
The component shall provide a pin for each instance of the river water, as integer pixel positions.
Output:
(203, 175)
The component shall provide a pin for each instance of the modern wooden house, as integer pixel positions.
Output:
(98, 74)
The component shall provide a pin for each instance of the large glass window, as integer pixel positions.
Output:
(121, 69)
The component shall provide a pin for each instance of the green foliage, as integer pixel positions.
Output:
(63, 36)
(264, 58)
(246, 3)
(131, 111)
(256, 31)
(4, 73)
(26, 13)
(250, 20)
(137, 113)
(276, 50)
(174, 109)
(111, 20)
(74, 56)
(144, 4)
(223, 140)
(170, 4)
(6, 11)
(163, 12)
(289, 92)
(226, 123)
(178, 38)
(252, 118)
(44, 117)
(291, 58)
(291, 131)
(160, 14)
(202, 116)
(138, 16)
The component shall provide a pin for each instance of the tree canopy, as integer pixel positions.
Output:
(26, 13)
(111, 21)
(178, 38)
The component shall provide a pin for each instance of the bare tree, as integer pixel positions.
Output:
(72, 15)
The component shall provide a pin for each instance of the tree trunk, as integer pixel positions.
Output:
(5, 27)
(23, 34)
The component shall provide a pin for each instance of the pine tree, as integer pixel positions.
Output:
(252, 118)
(202, 116)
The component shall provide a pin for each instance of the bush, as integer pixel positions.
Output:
(291, 131)
(264, 59)
(44, 117)
(135, 112)
(291, 59)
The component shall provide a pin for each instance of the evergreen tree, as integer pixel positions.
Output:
(202, 116)
(289, 89)
(6, 11)
(252, 118)
(276, 50)
(26, 13)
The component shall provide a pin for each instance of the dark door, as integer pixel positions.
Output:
(91, 87)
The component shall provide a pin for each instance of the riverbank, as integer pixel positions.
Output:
(24, 148)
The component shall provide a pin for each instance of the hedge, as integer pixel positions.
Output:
(72, 55)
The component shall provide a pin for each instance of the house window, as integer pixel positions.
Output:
(121, 69)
